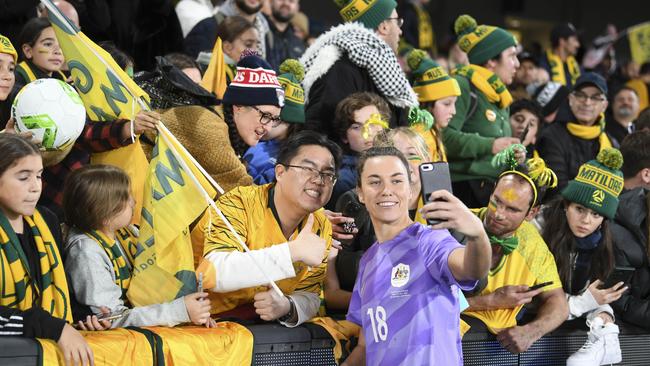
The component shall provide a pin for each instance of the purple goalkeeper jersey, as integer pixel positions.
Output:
(406, 300)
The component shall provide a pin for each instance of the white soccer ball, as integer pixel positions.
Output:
(52, 110)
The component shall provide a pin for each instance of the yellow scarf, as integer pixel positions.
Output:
(25, 69)
(488, 83)
(19, 287)
(557, 68)
(426, 41)
(121, 263)
(591, 132)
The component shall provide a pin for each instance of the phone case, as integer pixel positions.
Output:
(434, 177)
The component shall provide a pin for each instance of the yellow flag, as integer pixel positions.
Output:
(214, 79)
(163, 260)
(107, 92)
(639, 37)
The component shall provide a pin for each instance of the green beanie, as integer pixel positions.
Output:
(430, 81)
(291, 75)
(481, 42)
(598, 183)
(370, 13)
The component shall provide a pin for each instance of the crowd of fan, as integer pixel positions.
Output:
(552, 158)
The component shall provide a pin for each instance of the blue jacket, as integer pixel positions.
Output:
(261, 160)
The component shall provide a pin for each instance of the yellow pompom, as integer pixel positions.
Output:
(541, 174)
(610, 158)
(464, 24)
(414, 58)
(294, 67)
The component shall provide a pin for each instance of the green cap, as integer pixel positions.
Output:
(598, 183)
(481, 42)
(370, 13)
(291, 75)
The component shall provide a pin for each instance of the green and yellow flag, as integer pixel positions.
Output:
(639, 37)
(214, 79)
(163, 267)
(107, 92)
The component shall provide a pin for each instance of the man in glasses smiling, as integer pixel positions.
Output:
(567, 145)
(284, 226)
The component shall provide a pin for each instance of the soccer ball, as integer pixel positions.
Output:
(52, 110)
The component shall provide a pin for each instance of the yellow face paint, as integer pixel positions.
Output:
(374, 119)
(492, 206)
(510, 195)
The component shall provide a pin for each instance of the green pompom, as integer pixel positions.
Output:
(341, 3)
(294, 67)
(610, 158)
(414, 58)
(464, 24)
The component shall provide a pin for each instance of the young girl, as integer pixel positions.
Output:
(576, 229)
(437, 94)
(8, 59)
(35, 301)
(99, 252)
(41, 56)
(406, 294)
(358, 118)
(261, 158)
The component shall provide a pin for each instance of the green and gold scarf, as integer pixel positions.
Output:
(487, 83)
(557, 68)
(19, 286)
(121, 263)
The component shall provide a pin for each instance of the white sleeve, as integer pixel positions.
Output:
(307, 305)
(236, 270)
(580, 304)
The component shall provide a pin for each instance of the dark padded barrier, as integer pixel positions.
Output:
(310, 344)
(16, 351)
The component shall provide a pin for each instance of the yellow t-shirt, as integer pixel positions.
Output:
(249, 210)
(530, 264)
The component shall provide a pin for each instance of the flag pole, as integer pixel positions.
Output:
(214, 206)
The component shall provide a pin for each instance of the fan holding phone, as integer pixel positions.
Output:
(577, 232)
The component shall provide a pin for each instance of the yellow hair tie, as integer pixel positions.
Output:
(374, 119)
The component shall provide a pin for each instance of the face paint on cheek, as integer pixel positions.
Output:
(42, 52)
(492, 206)
(510, 195)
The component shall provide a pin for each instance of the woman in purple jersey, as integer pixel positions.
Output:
(406, 293)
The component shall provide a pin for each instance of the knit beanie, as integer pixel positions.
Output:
(481, 42)
(254, 84)
(549, 96)
(7, 47)
(598, 183)
(430, 81)
(370, 13)
(291, 74)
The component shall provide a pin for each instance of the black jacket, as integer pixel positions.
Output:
(341, 80)
(630, 234)
(347, 261)
(282, 45)
(564, 153)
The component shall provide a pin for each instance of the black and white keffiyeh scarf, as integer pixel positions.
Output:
(366, 50)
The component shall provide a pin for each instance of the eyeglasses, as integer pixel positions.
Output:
(267, 118)
(312, 174)
(397, 20)
(582, 97)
